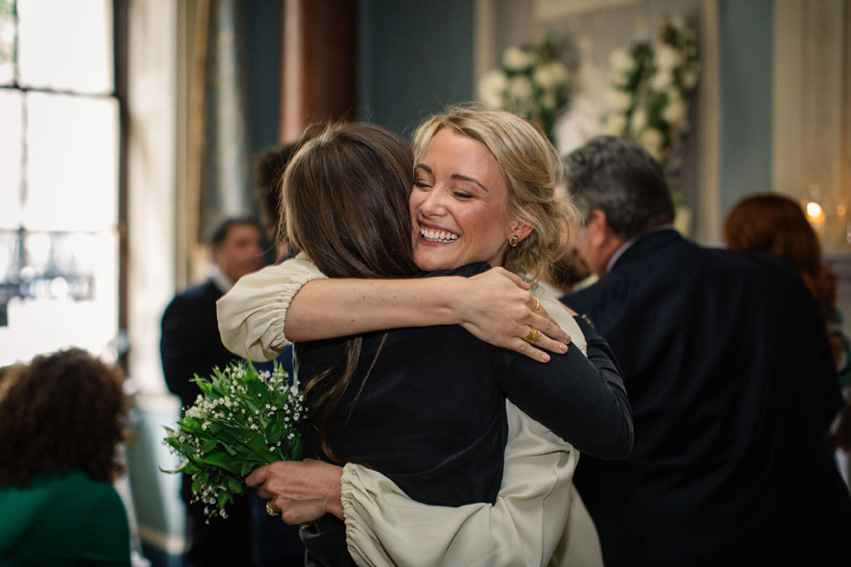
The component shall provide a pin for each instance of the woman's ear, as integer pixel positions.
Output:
(519, 228)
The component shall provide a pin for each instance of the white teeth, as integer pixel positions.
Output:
(438, 235)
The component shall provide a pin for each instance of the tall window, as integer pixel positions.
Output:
(59, 187)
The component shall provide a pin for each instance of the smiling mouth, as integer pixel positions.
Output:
(430, 235)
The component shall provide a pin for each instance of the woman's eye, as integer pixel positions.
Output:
(421, 184)
(462, 195)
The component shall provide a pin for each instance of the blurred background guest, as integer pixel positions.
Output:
(190, 345)
(58, 460)
(731, 380)
(770, 223)
(269, 166)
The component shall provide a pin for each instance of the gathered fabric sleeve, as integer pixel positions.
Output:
(523, 527)
(252, 314)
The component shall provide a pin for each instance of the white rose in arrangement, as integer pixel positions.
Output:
(618, 99)
(492, 88)
(532, 82)
(520, 88)
(517, 59)
(667, 57)
(550, 76)
(661, 80)
(621, 61)
(675, 111)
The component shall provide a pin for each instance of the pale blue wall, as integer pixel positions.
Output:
(415, 57)
(746, 93)
(264, 62)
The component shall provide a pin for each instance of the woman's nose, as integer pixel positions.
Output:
(433, 202)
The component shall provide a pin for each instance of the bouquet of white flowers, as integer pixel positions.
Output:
(650, 91)
(243, 419)
(533, 82)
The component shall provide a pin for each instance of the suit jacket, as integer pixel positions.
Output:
(732, 387)
(190, 342)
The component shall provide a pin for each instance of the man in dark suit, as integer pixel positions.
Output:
(191, 345)
(730, 377)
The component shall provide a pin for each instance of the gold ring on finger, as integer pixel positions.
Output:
(269, 510)
(533, 336)
(537, 304)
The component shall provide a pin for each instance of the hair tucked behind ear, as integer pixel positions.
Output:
(531, 168)
(345, 197)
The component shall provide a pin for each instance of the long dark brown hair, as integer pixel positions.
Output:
(63, 412)
(345, 197)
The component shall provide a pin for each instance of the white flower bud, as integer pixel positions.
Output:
(520, 88)
(667, 57)
(675, 111)
(621, 61)
(517, 59)
(661, 80)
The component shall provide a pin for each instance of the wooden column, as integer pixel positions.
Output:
(319, 64)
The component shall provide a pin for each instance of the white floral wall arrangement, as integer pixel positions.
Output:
(651, 90)
(533, 81)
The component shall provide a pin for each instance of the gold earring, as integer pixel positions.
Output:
(514, 241)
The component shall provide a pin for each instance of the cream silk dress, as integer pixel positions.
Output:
(538, 518)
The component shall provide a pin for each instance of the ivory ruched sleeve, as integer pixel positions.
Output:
(252, 314)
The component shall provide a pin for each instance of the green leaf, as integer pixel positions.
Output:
(209, 445)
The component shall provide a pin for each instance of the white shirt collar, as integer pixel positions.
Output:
(222, 281)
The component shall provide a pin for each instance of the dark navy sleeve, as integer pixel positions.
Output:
(582, 399)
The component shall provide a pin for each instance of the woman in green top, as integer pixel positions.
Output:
(61, 421)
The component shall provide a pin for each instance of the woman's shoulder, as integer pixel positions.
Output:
(561, 315)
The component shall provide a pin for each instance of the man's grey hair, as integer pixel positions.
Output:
(621, 179)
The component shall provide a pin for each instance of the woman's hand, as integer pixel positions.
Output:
(301, 490)
(496, 307)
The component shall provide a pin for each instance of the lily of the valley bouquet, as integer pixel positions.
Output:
(243, 419)
(650, 90)
(533, 82)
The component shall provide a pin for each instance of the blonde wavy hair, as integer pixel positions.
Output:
(531, 168)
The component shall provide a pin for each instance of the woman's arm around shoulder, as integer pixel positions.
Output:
(252, 314)
(495, 306)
